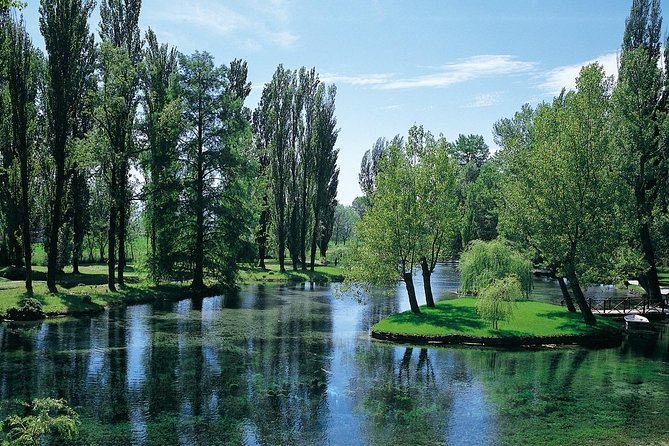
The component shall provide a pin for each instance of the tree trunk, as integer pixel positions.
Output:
(25, 214)
(111, 232)
(429, 299)
(652, 281)
(314, 238)
(588, 317)
(198, 273)
(56, 210)
(122, 220)
(78, 182)
(565, 294)
(408, 281)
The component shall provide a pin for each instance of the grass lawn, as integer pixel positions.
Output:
(459, 317)
(322, 273)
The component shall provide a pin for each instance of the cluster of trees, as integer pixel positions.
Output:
(411, 212)
(296, 132)
(102, 134)
(580, 183)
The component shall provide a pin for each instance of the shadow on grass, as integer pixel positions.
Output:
(458, 318)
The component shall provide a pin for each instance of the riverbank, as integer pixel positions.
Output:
(87, 293)
(456, 321)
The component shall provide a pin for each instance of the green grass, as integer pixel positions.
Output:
(92, 282)
(322, 273)
(459, 317)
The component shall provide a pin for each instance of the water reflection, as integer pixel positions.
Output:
(292, 364)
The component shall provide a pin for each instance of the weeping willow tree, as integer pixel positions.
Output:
(482, 263)
(496, 300)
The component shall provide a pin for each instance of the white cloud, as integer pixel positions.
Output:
(565, 76)
(474, 67)
(250, 24)
(361, 80)
(466, 70)
(485, 100)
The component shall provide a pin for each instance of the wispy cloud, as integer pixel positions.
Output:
(565, 76)
(485, 100)
(468, 69)
(252, 25)
(359, 80)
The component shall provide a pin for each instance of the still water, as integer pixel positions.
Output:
(294, 365)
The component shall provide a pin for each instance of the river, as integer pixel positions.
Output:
(294, 365)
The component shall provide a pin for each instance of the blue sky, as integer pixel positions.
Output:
(452, 66)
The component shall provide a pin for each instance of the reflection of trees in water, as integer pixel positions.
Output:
(288, 370)
(377, 307)
(403, 399)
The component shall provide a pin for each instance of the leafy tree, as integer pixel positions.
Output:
(359, 205)
(218, 189)
(391, 230)
(63, 24)
(640, 103)
(563, 195)
(162, 126)
(484, 262)
(345, 219)
(436, 199)
(470, 149)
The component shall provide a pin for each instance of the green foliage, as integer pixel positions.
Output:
(482, 263)
(497, 298)
(45, 419)
(29, 309)
(13, 4)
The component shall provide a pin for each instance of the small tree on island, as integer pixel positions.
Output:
(484, 262)
(496, 300)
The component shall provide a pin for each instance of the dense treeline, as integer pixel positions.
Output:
(579, 183)
(102, 137)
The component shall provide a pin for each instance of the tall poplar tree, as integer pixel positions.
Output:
(641, 140)
(22, 88)
(119, 30)
(64, 25)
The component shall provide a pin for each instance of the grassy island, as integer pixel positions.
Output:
(456, 321)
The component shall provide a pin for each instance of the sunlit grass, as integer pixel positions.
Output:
(459, 317)
(321, 273)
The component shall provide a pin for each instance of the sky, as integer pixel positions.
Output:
(453, 66)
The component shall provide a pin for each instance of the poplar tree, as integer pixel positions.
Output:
(22, 88)
(641, 139)
(122, 53)
(64, 25)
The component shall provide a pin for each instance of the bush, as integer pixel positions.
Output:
(29, 309)
(44, 419)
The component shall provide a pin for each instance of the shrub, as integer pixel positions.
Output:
(29, 309)
(44, 419)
